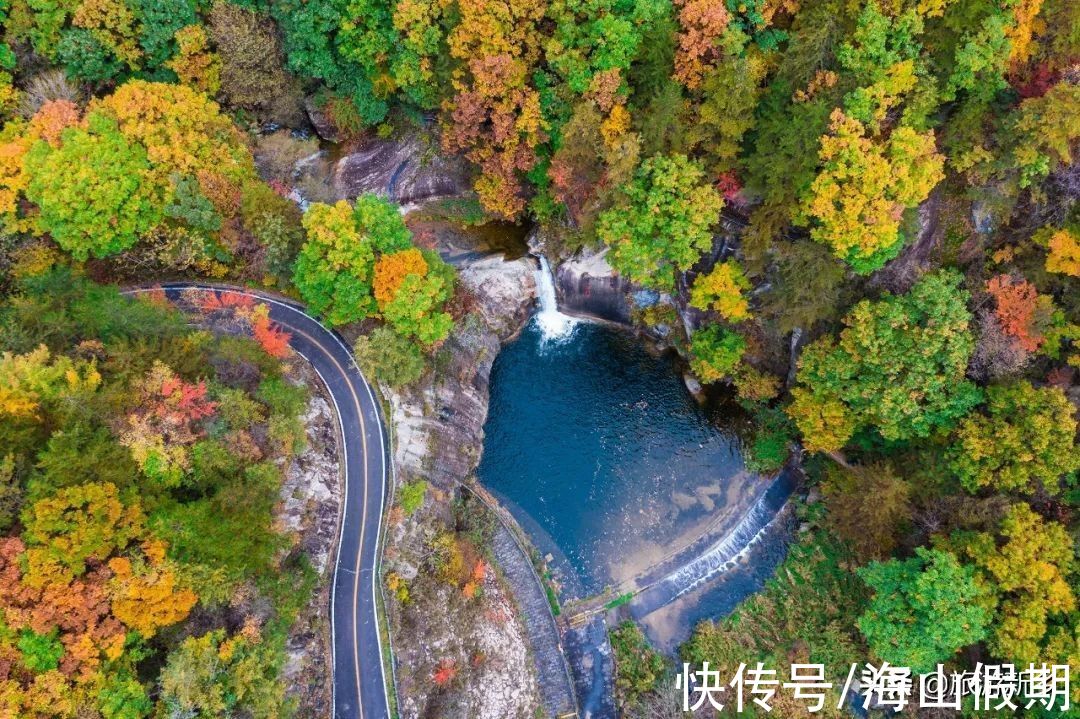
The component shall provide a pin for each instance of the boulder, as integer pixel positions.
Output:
(324, 128)
(588, 286)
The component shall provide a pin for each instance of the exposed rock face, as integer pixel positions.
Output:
(439, 435)
(406, 170)
(449, 416)
(587, 285)
(309, 510)
(324, 128)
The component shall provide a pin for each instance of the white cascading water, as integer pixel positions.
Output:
(725, 554)
(554, 325)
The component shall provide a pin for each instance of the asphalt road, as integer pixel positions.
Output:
(359, 685)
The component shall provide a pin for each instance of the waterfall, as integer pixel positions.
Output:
(554, 325)
(725, 554)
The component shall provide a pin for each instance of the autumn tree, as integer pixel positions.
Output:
(146, 595)
(871, 528)
(1022, 441)
(391, 271)
(863, 187)
(1062, 248)
(898, 368)
(195, 63)
(151, 162)
(589, 164)
(730, 92)
(494, 116)
(1021, 311)
(722, 290)
(77, 525)
(701, 24)
(593, 43)
(415, 308)
(1025, 564)
(335, 267)
(420, 44)
(32, 382)
(253, 74)
(166, 421)
(661, 224)
(924, 609)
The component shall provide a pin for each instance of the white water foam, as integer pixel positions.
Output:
(725, 554)
(554, 325)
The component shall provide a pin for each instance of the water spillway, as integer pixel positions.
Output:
(726, 554)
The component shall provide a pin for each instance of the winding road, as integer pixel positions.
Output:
(359, 684)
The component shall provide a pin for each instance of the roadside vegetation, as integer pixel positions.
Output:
(141, 461)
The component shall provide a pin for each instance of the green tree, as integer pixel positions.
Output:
(1024, 440)
(94, 192)
(715, 352)
(215, 675)
(898, 368)
(40, 652)
(334, 269)
(86, 58)
(596, 36)
(123, 697)
(415, 311)
(412, 496)
(924, 609)
(639, 667)
(661, 225)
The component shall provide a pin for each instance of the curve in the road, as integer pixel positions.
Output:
(359, 683)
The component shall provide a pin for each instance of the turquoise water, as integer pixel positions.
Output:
(601, 452)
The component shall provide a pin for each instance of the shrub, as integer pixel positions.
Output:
(389, 357)
(412, 496)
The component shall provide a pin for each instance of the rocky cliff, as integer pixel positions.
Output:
(461, 653)
(588, 286)
(440, 428)
(407, 170)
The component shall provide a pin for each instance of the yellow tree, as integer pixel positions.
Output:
(27, 380)
(1063, 250)
(391, 271)
(146, 595)
(1026, 563)
(722, 290)
(865, 183)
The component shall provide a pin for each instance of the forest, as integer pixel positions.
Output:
(867, 207)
